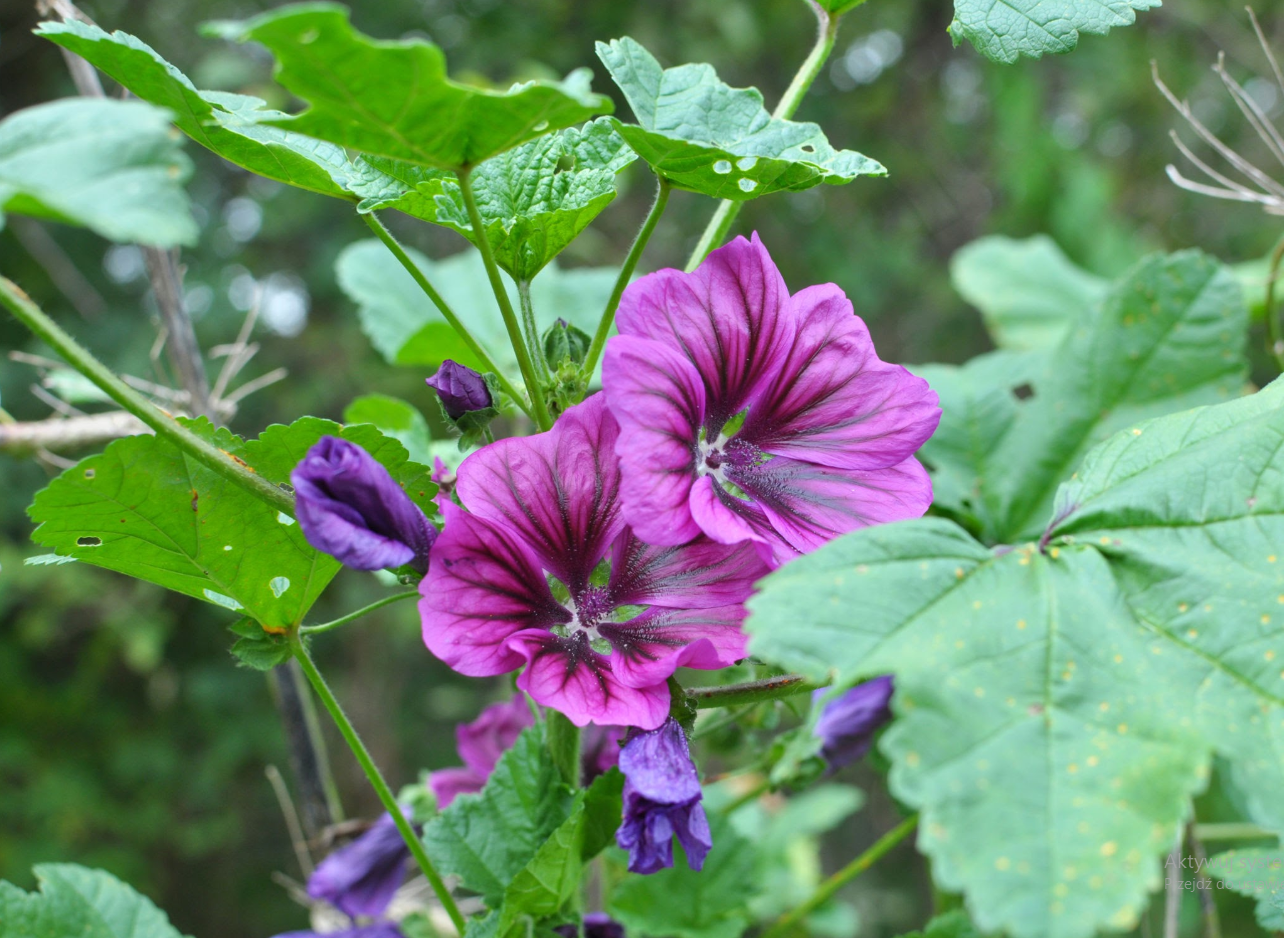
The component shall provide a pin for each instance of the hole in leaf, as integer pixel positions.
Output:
(286, 487)
(90, 473)
(89, 541)
(807, 148)
(1023, 392)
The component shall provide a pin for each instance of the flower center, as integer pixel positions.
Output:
(587, 610)
(711, 458)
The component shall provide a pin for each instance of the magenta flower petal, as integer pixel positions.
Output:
(833, 402)
(809, 504)
(727, 317)
(485, 586)
(568, 675)
(555, 490)
(481, 742)
(727, 519)
(699, 574)
(658, 398)
(647, 650)
(449, 784)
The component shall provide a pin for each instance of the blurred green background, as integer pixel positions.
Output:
(127, 738)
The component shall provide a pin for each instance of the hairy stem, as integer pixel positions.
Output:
(534, 387)
(1274, 339)
(826, 890)
(725, 214)
(443, 307)
(733, 695)
(564, 746)
(360, 613)
(529, 324)
(622, 281)
(166, 426)
(362, 755)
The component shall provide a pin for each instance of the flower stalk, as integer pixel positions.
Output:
(377, 782)
(715, 232)
(630, 264)
(358, 614)
(751, 692)
(534, 387)
(165, 426)
(393, 245)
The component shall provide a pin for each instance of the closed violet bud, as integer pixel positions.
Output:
(362, 878)
(373, 930)
(461, 389)
(848, 723)
(350, 507)
(596, 925)
(661, 800)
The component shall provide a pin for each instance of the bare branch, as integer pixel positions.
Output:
(67, 434)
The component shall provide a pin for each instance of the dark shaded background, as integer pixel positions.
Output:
(127, 738)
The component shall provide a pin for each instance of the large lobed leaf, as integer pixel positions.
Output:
(144, 508)
(228, 124)
(1169, 335)
(708, 137)
(1057, 707)
(1257, 873)
(408, 330)
(393, 99)
(1029, 293)
(534, 200)
(112, 166)
(77, 901)
(1006, 30)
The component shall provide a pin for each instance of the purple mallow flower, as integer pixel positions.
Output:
(515, 581)
(480, 744)
(661, 800)
(750, 414)
(362, 878)
(596, 925)
(460, 389)
(848, 723)
(349, 507)
(600, 750)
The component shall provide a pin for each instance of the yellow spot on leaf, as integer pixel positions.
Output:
(1109, 848)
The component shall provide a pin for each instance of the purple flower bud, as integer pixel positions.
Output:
(373, 930)
(661, 799)
(361, 878)
(480, 744)
(596, 925)
(349, 507)
(848, 723)
(460, 388)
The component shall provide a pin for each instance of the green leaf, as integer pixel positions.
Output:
(838, 7)
(393, 99)
(1005, 31)
(111, 166)
(488, 838)
(546, 883)
(1057, 708)
(708, 137)
(534, 200)
(1168, 335)
(257, 648)
(395, 418)
(1029, 293)
(406, 328)
(682, 903)
(1257, 873)
(145, 509)
(230, 125)
(954, 924)
(77, 901)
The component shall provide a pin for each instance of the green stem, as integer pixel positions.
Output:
(531, 327)
(1274, 338)
(1232, 831)
(166, 426)
(732, 695)
(622, 281)
(534, 387)
(725, 214)
(564, 745)
(753, 794)
(448, 314)
(354, 616)
(349, 734)
(849, 872)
